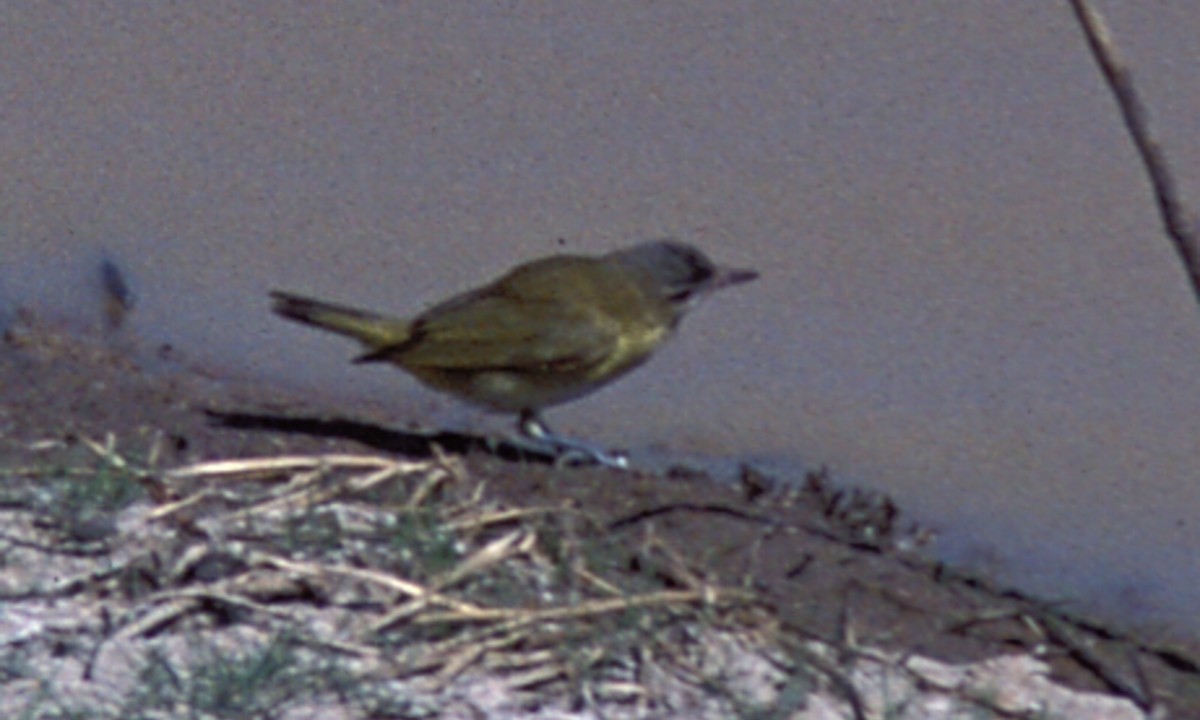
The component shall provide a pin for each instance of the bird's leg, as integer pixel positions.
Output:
(535, 430)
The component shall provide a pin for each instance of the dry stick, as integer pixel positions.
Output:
(1178, 221)
(288, 462)
(587, 609)
(1116, 682)
(497, 517)
(389, 581)
(515, 543)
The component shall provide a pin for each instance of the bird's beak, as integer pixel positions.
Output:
(733, 276)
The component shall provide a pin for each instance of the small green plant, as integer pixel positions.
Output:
(422, 542)
(260, 682)
(80, 497)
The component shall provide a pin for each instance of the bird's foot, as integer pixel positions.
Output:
(566, 450)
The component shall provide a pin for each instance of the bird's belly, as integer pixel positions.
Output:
(511, 391)
(515, 390)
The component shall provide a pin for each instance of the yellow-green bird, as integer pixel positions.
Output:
(544, 333)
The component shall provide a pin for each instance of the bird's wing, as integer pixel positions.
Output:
(501, 331)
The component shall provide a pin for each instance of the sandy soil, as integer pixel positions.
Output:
(826, 563)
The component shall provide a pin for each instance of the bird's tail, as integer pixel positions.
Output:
(374, 331)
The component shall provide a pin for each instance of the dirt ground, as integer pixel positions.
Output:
(826, 562)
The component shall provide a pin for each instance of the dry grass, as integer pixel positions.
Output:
(352, 575)
(348, 586)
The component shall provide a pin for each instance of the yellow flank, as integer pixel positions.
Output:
(634, 346)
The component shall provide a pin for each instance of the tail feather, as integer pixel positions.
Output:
(373, 330)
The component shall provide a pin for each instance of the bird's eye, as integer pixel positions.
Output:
(701, 274)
